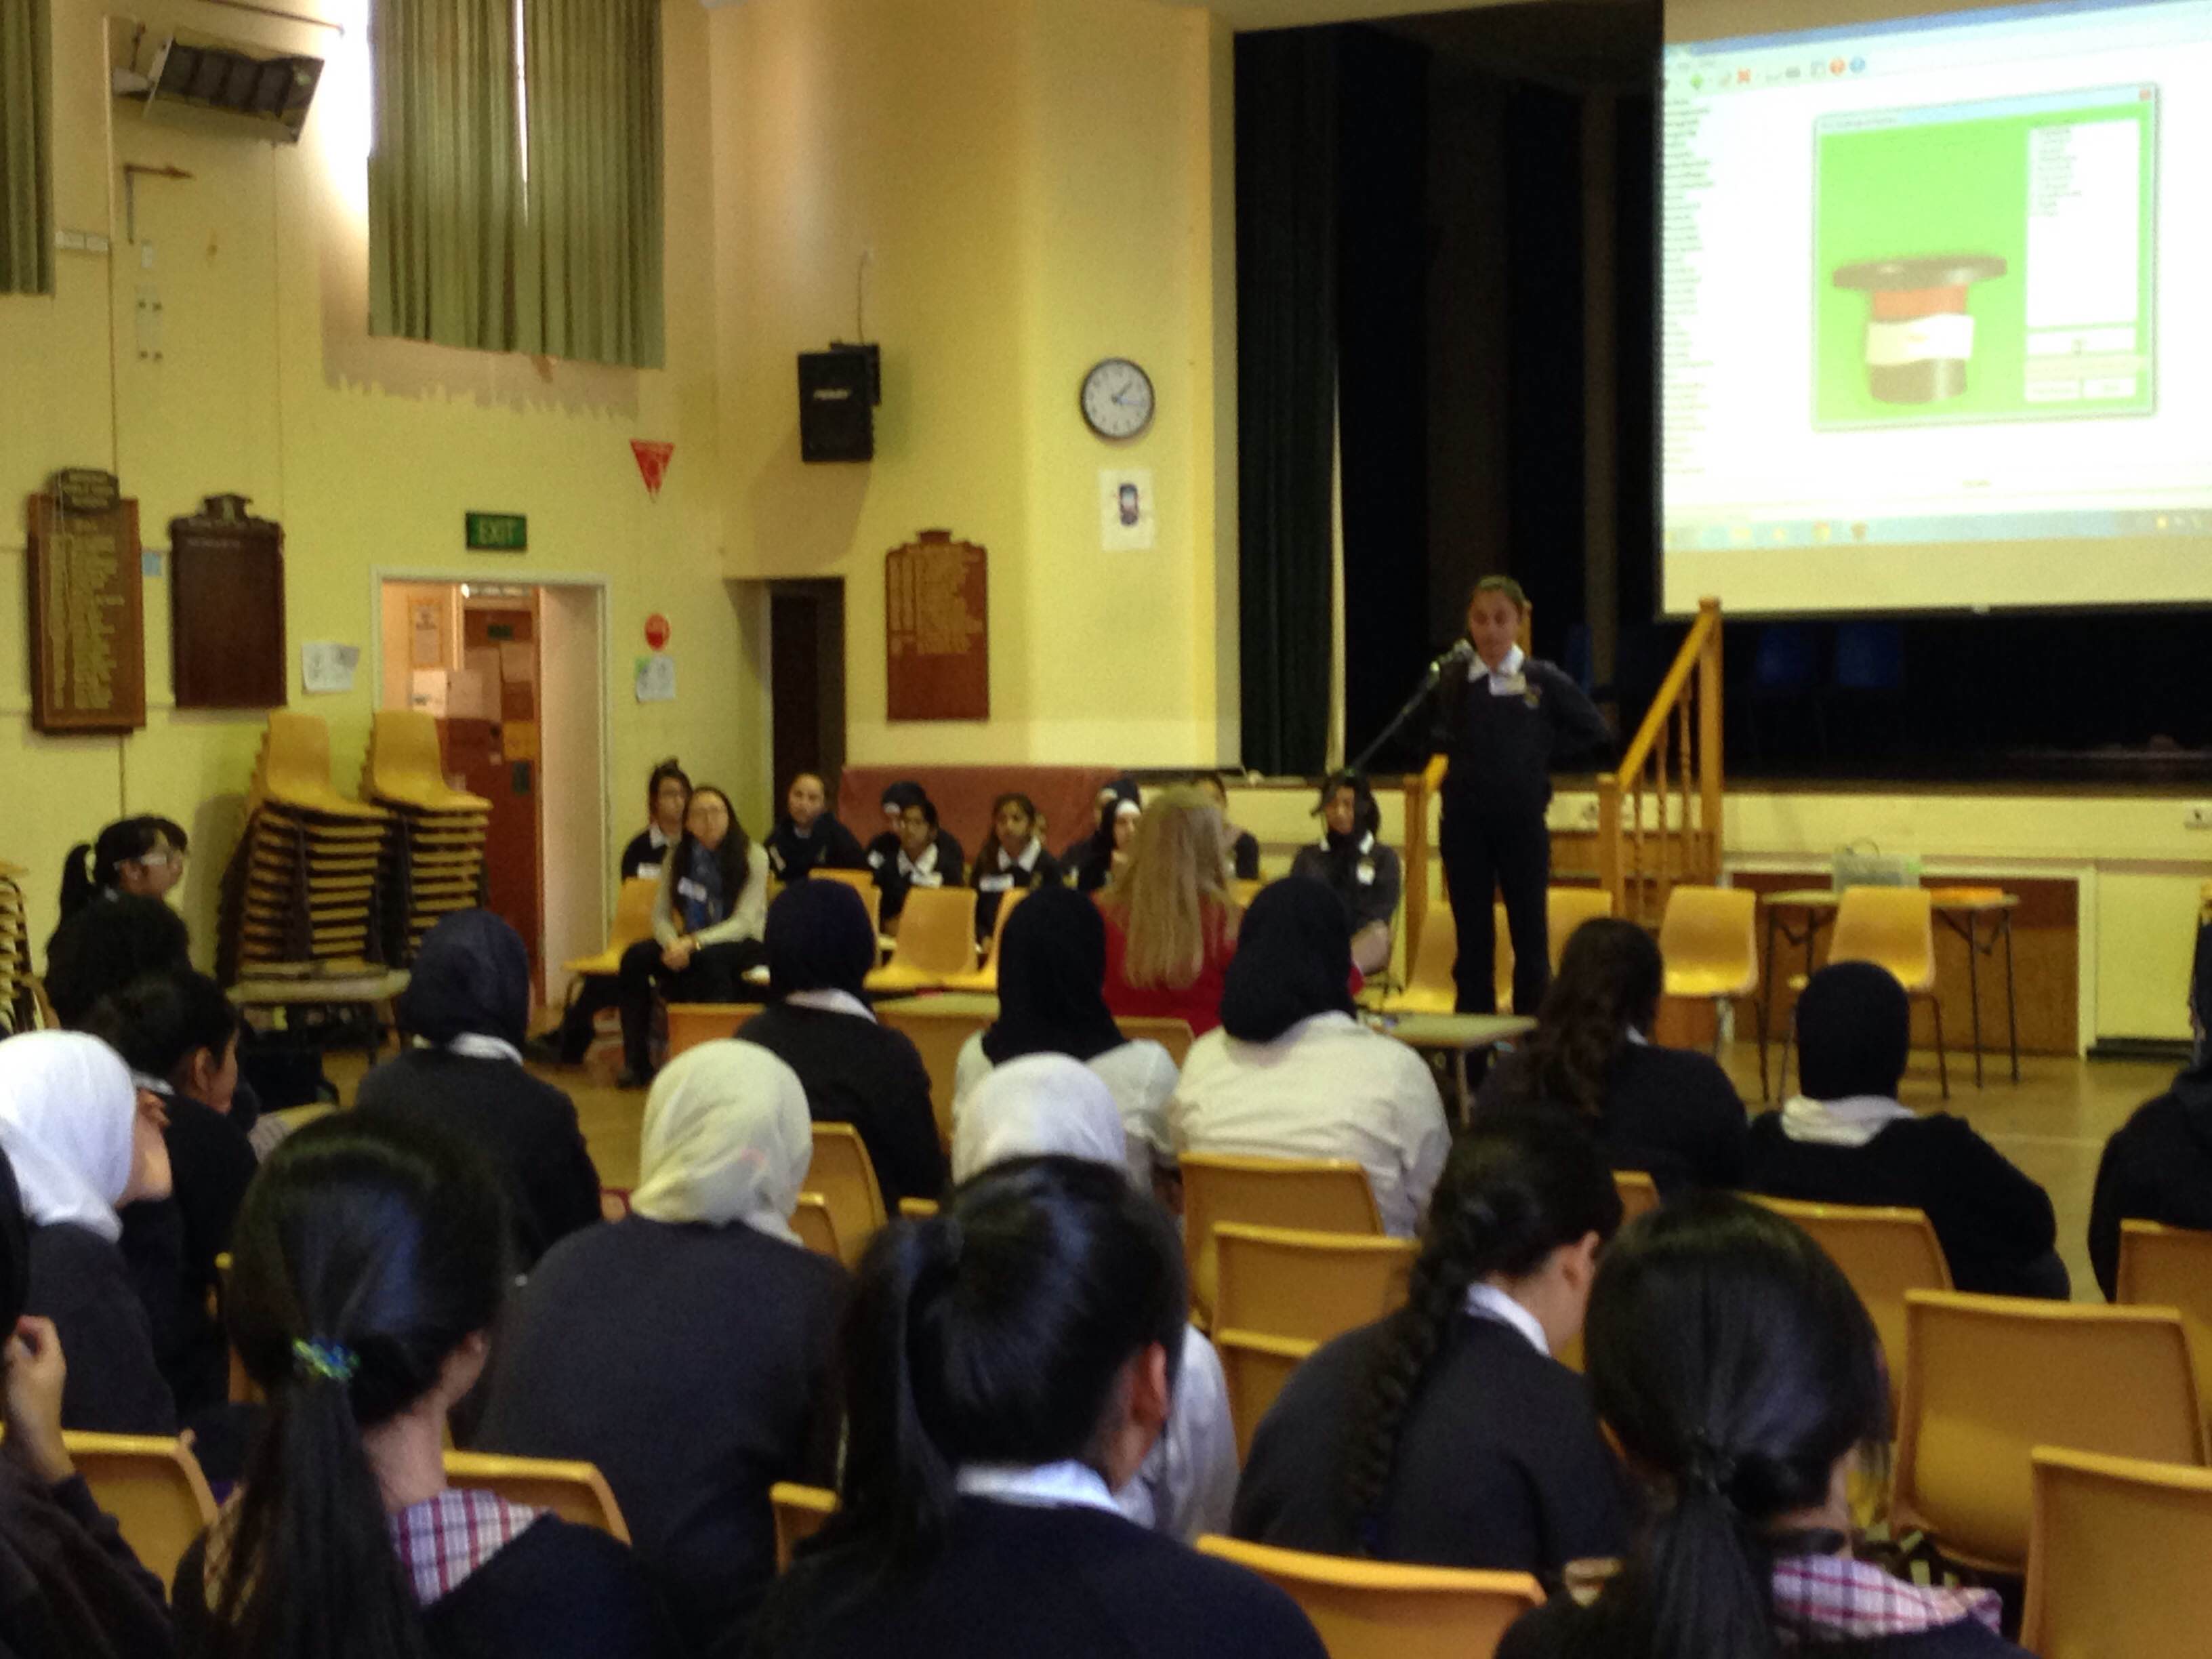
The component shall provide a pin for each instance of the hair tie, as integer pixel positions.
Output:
(324, 1362)
(1711, 1468)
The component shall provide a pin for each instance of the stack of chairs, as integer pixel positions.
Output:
(300, 893)
(18, 1001)
(434, 861)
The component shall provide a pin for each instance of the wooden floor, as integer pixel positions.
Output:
(2053, 1123)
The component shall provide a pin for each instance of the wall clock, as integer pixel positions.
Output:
(1117, 399)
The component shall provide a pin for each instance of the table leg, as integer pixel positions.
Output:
(1974, 992)
(1766, 979)
(2012, 1012)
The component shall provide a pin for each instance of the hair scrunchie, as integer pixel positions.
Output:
(323, 1362)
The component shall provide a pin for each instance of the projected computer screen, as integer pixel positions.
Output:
(1936, 309)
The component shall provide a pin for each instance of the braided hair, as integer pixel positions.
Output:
(1609, 984)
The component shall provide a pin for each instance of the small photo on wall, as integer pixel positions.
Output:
(1125, 522)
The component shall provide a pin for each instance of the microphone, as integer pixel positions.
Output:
(1458, 655)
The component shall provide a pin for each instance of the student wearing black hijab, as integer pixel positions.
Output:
(68, 1584)
(1093, 861)
(466, 1004)
(1052, 1001)
(1357, 867)
(914, 852)
(1292, 1073)
(820, 947)
(808, 836)
(1845, 1138)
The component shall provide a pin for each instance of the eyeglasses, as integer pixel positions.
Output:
(161, 860)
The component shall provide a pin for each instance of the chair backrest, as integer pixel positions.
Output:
(1172, 1034)
(633, 923)
(1893, 927)
(1566, 908)
(1255, 1366)
(1501, 956)
(403, 751)
(1989, 1378)
(1712, 933)
(1383, 1610)
(2112, 1538)
(800, 1512)
(862, 882)
(1430, 986)
(690, 1023)
(1245, 888)
(939, 1037)
(1007, 901)
(2163, 1266)
(577, 1493)
(1639, 1194)
(842, 1175)
(1307, 1285)
(152, 1486)
(1885, 1253)
(296, 754)
(937, 932)
(815, 1227)
(1323, 1195)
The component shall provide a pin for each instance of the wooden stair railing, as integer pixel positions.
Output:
(1659, 813)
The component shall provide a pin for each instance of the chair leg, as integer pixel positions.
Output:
(1759, 1012)
(1788, 1033)
(1942, 1069)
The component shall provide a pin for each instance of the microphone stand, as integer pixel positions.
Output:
(1459, 653)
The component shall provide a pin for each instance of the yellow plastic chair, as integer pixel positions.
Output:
(1885, 1253)
(841, 1174)
(1566, 908)
(1312, 1285)
(1709, 940)
(2165, 1267)
(800, 1512)
(1323, 1195)
(1172, 1034)
(1382, 1610)
(939, 1036)
(633, 925)
(815, 1227)
(1254, 1367)
(575, 1491)
(152, 1486)
(294, 771)
(917, 1209)
(405, 766)
(862, 882)
(1892, 928)
(1989, 1378)
(690, 1023)
(1244, 889)
(985, 978)
(1639, 1194)
(2114, 1544)
(1430, 987)
(936, 941)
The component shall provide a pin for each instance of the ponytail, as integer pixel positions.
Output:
(1517, 1188)
(78, 888)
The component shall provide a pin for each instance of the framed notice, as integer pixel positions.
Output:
(227, 608)
(88, 607)
(937, 628)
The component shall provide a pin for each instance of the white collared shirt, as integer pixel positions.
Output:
(1067, 1484)
(921, 871)
(1488, 1302)
(1501, 677)
(476, 1045)
(832, 1002)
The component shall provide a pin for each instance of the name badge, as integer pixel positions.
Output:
(648, 872)
(875, 860)
(691, 889)
(926, 878)
(993, 884)
(776, 858)
(1365, 872)
(1503, 686)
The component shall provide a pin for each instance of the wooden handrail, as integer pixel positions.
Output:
(1670, 691)
(1639, 863)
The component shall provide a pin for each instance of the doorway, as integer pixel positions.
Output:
(806, 683)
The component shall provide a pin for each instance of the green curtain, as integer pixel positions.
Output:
(27, 208)
(445, 173)
(588, 282)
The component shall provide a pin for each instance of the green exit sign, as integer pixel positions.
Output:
(498, 532)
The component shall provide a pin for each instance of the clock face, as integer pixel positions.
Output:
(1117, 399)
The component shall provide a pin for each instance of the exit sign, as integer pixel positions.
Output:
(497, 533)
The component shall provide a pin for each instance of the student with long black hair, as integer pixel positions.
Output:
(142, 856)
(1008, 1364)
(1738, 1373)
(371, 1258)
(1670, 1112)
(1449, 1433)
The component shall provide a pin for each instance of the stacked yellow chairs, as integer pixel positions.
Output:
(690, 1023)
(800, 1512)
(301, 895)
(152, 1486)
(633, 925)
(1366, 1609)
(577, 1493)
(1709, 940)
(2113, 1546)
(1172, 1034)
(1892, 928)
(842, 1176)
(939, 1035)
(936, 941)
(436, 850)
(984, 977)
(1326, 1195)
(18, 1005)
(1887, 1254)
(1989, 1378)
(2170, 1268)
(815, 1227)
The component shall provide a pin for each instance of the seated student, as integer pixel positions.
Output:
(141, 857)
(465, 1003)
(1736, 1369)
(2157, 1165)
(917, 854)
(105, 946)
(817, 1022)
(1170, 923)
(1845, 1139)
(1357, 867)
(1291, 1074)
(1052, 973)
(1671, 1113)
(1013, 857)
(1087, 861)
(371, 1258)
(668, 798)
(1244, 846)
(84, 1142)
(1047, 1105)
(1007, 1366)
(685, 1350)
(707, 923)
(808, 836)
(1107, 853)
(179, 1035)
(1449, 1433)
(72, 1585)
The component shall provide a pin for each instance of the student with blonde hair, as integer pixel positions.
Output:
(1170, 922)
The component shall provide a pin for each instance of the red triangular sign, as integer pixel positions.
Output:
(652, 463)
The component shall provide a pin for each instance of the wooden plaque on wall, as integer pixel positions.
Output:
(88, 607)
(937, 628)
(227, 608)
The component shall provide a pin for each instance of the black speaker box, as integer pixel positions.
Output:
(837, 405)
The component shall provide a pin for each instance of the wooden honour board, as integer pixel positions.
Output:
(88, 608)
(936, 629)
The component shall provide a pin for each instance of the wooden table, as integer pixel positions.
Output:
(373, 990)
(1456, 1035)
(1961, 915)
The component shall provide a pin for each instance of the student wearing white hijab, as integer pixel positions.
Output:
(1047, 1105)
(685, 1350)
(85, 1141)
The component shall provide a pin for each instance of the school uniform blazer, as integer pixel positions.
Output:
(641, 858)
(857, 1072)
(1503, 744)
(2156, 1167)
(828, 846)
(79, 1280)
(1365, 902)
(883, 858)
(1670, 1112)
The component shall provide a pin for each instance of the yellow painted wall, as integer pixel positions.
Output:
(368, 451)
(1037, 185)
